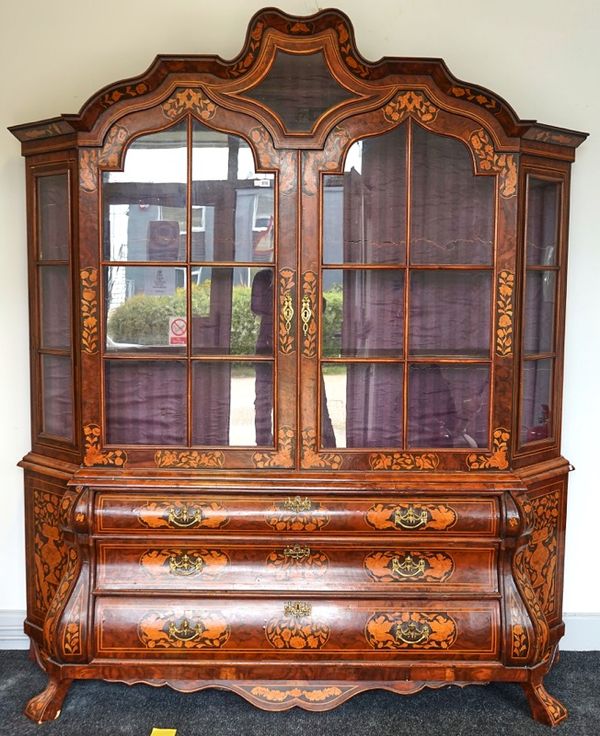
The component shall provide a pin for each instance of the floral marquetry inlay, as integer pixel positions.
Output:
(182, 515)
(411, 516)
(297, 515)
(403, 461)
(283, 694)
(488, 159)
(297, 563)
(312, 458)
(497, 459)
(504, 309)
(89, 310)
(410, 630)
(193, 100)
(168, 630)
(410, 103)
(389, 566)
(94, 455)
(287, 298)
(283, 456)
(189, 459)
(296, 630)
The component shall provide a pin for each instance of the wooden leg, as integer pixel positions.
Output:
(544, 708)
(46, 706)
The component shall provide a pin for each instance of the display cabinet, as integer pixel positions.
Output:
(296, 348)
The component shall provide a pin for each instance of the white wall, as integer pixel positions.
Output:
(542, 56)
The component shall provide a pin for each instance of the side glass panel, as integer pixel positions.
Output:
(55, 318)
(57, 396)
(233, 207)
(145, 204)
(539, 313)
(53, 217)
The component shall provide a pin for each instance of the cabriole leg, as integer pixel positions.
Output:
(46, 706)
(544, 708)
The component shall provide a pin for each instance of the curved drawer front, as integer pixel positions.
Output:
(296, 566)
(218, 629)
(143, 513)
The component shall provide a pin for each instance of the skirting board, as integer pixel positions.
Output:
(582, 631)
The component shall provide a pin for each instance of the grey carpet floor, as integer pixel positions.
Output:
(105, 709)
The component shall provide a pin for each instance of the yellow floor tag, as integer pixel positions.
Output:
(164, 732)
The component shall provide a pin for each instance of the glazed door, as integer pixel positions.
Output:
(398, 300)
(197, 295)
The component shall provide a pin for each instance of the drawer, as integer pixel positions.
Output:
(398, 515)
(216, 629)
(340, 566)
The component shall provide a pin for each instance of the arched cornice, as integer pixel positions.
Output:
(368, 83)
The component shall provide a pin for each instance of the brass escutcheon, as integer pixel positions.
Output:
(408, 568)
(296, 505)
(185, 565)
(296, 552)
(306, 314)
(184, 517)
(413, 632)
(287, 312)
(186, 632)
(410, 519)
(297, 609)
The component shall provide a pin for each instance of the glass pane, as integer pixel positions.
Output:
(540, 295)
(448, 405)
(299, 88)
(145, 309)
(55, 321)
(232, 206)
(452, 210)
(57, 396)
(53, 217)
(361, 405)
(232, 311)
(450, 313)
(364, 210)
(536, 400)
(363, 313)
(146, 402)
(232, 403)
(145, 204)
(543, 202)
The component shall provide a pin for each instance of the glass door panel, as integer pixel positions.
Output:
(53, 217)
(57, 396)
(536, 406)
(55, 314)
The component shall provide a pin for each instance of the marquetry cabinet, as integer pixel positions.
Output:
(296, 348)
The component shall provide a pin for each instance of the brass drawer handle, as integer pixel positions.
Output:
(184, 516)
(296, 552)
(408, 568)
(185, 565)
(306, 314)
(297, 609)
(413, 632)
(297, 505)
(410, 519)
(287, 312)
(186, 632)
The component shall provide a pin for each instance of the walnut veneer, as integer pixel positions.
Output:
(300, 569)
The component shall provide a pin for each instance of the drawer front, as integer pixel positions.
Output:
(132, 512)
(218, 629)
(346, 567)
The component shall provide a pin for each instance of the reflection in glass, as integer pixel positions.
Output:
(540, 295)
(145, 204)
(452, 210)
(448, 405)
(450, 313)
(54, 307)
(57, 396)
(232, 205)
(53, 217)
(145, 308)
(536, 400)
(363, 313)
(146, 402)
(232, 311)
(361, 405)
(543, 202)
(232, 403)
(364, 210)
